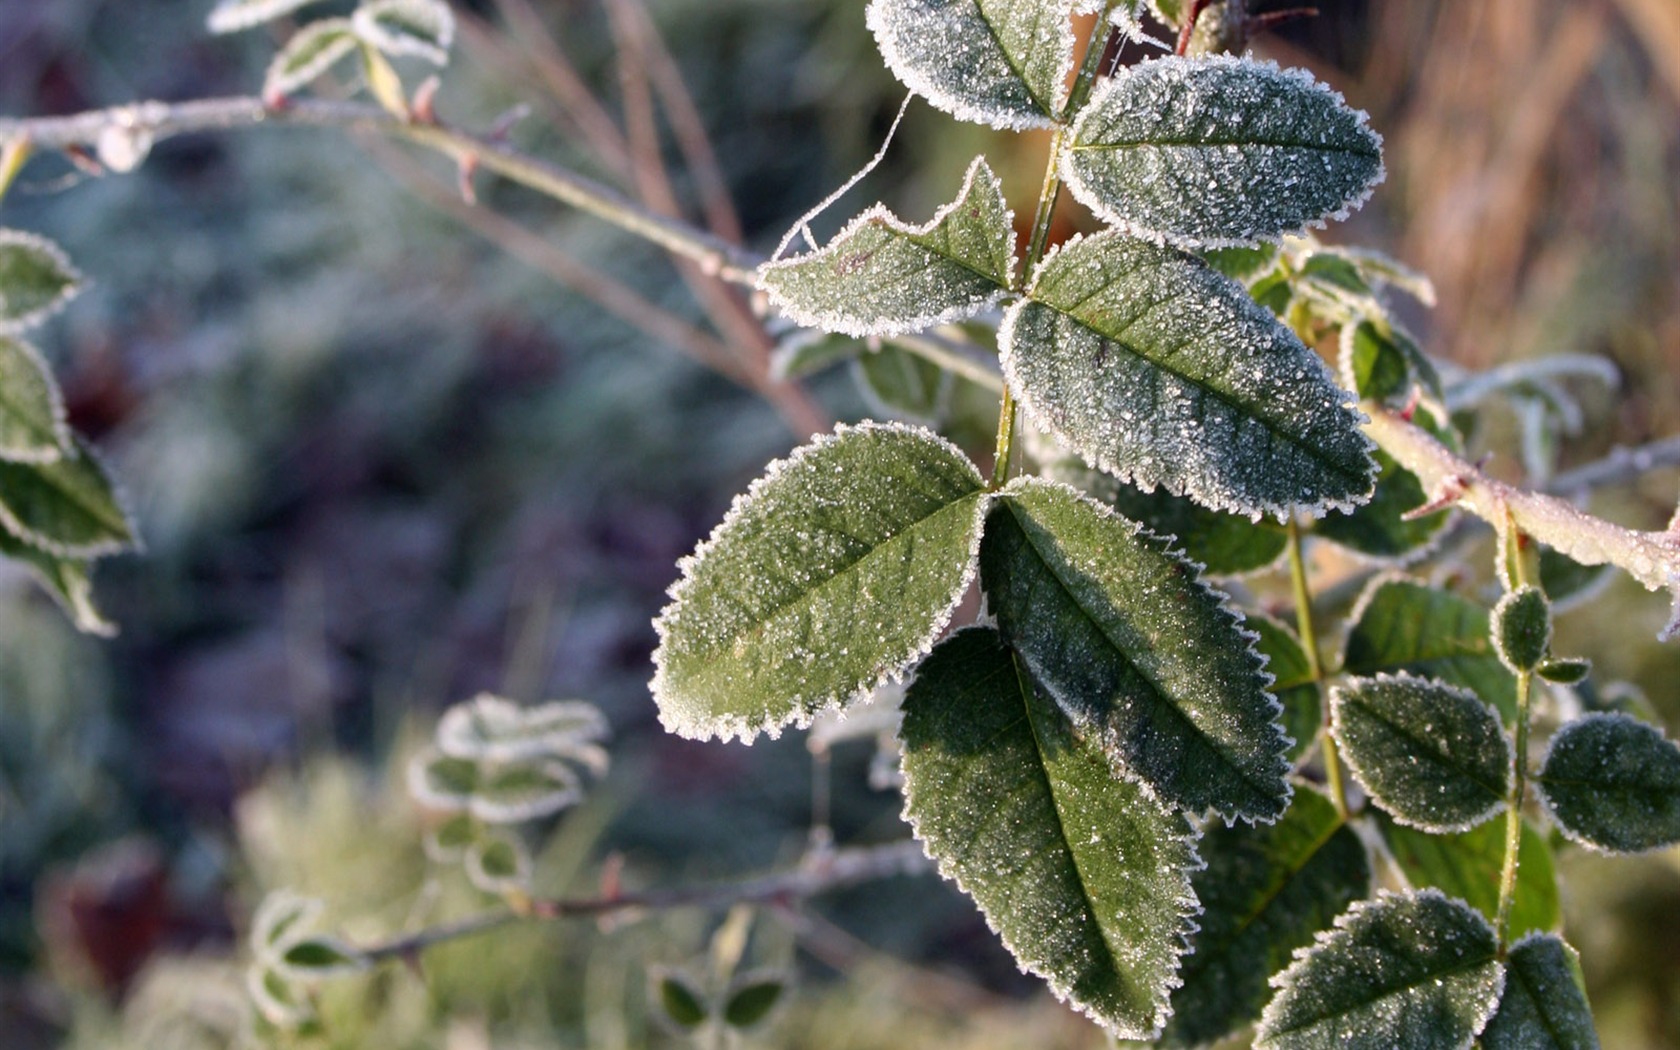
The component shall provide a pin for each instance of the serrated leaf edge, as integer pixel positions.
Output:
(1546, 801)
(836, 321)
(1083, 193)
(1341, 692)
(745, 729)
(75, 280)
(1285, 977)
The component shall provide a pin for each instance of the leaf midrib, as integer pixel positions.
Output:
(1386, 991)
(1433, 749)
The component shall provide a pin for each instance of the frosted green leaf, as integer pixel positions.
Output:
(681, 1002)
(1545, 1002)
(1402, 625)
(1613, 783)
(36, 280)
(807, 351)
(1377, 270)
(1119, 632)
(1570, 670)
(281, 919)
(1223, 544)
(521, 791)
(1242, 262)
(1467, 865)
(280, 1004)
(310, 52)
(998, 62)
(448, 842)
(423, 28)
(491, 728)
(442, 781)
(832, 574)
(1431, 754)
(1292, 682)
(318, 957)
(880, 276)
(1265, 892)
(498, 863)
(1158, 369)
(1409, 971)
(898, 383)
(1218, 150)
(1083, 875)
(68, 580)
(752, 998)
(1381, 529)
(1522, 628)
(68, 508)
(1381, 362)
(229, 16)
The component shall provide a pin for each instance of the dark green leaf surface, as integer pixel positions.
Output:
(320, 957)
(1402, 972)
(1219, 150)
(31, 409)
(833, 573)
(880, 276)
(1265, 892)
(68, 580)
(1545, 1002)
(1522, 628)
(1242, 263)
(36, 278)
(807, 351)
(997, 62)
(1431, 754)
(1121, 634)
(680, 999)
(1381, 362)
(1568, 583)
(898, 383)
(1402, 625)
(1381, 528)
(1083, 875)
(68, 508)
(752, 998)
(1467, 865)
(1565, 670)
(1613, 782)
(1153, 366)
(1292, 684)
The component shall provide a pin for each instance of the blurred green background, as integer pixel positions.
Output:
(381, 464)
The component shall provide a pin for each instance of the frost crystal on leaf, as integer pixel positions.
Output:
(1217, 151)
(1119, 632)
(999, 62)
(424, 28)
(879, 276)
(1153, 366)
(1545, 1002)
(832, 574)
(1082, 873)
(230, 16)
(1412, 971)
(1613, 783)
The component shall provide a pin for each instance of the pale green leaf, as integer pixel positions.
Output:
(229, 16)
(1379, 271)
(68, 580)
(1410, 971)
(68, 508)
(1613, 783)
(1522, 628)
(32, 428)
(449, 841)
(494, 729)
(1265, 892)
(281, 919)
(1382, 529)
(528, 790)
(1120, 633)
(1383, 363)
(1158, 369)
(1219, 150)
(998, 62)
(804, 352)
(498, 863)
(1292, 682)
(1223, 544)
(423, 28)
(310, 52)
(880, 276)
(1402, 625)
(833, 574)
(1431, 754)
(681, 1002)
(898, 383)
(36, 279)
(1467, 865)
(752, 998)
(442, 781)
(279, 1002)
(1083, 875)
(1545, 1002)
(1242, 262)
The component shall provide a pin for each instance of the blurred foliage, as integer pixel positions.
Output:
(381, 465)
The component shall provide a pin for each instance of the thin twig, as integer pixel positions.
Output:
(821, 874)
(1620, 466)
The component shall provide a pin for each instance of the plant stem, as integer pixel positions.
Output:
(1315, 665)
(1513, 815)
(830, 871)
